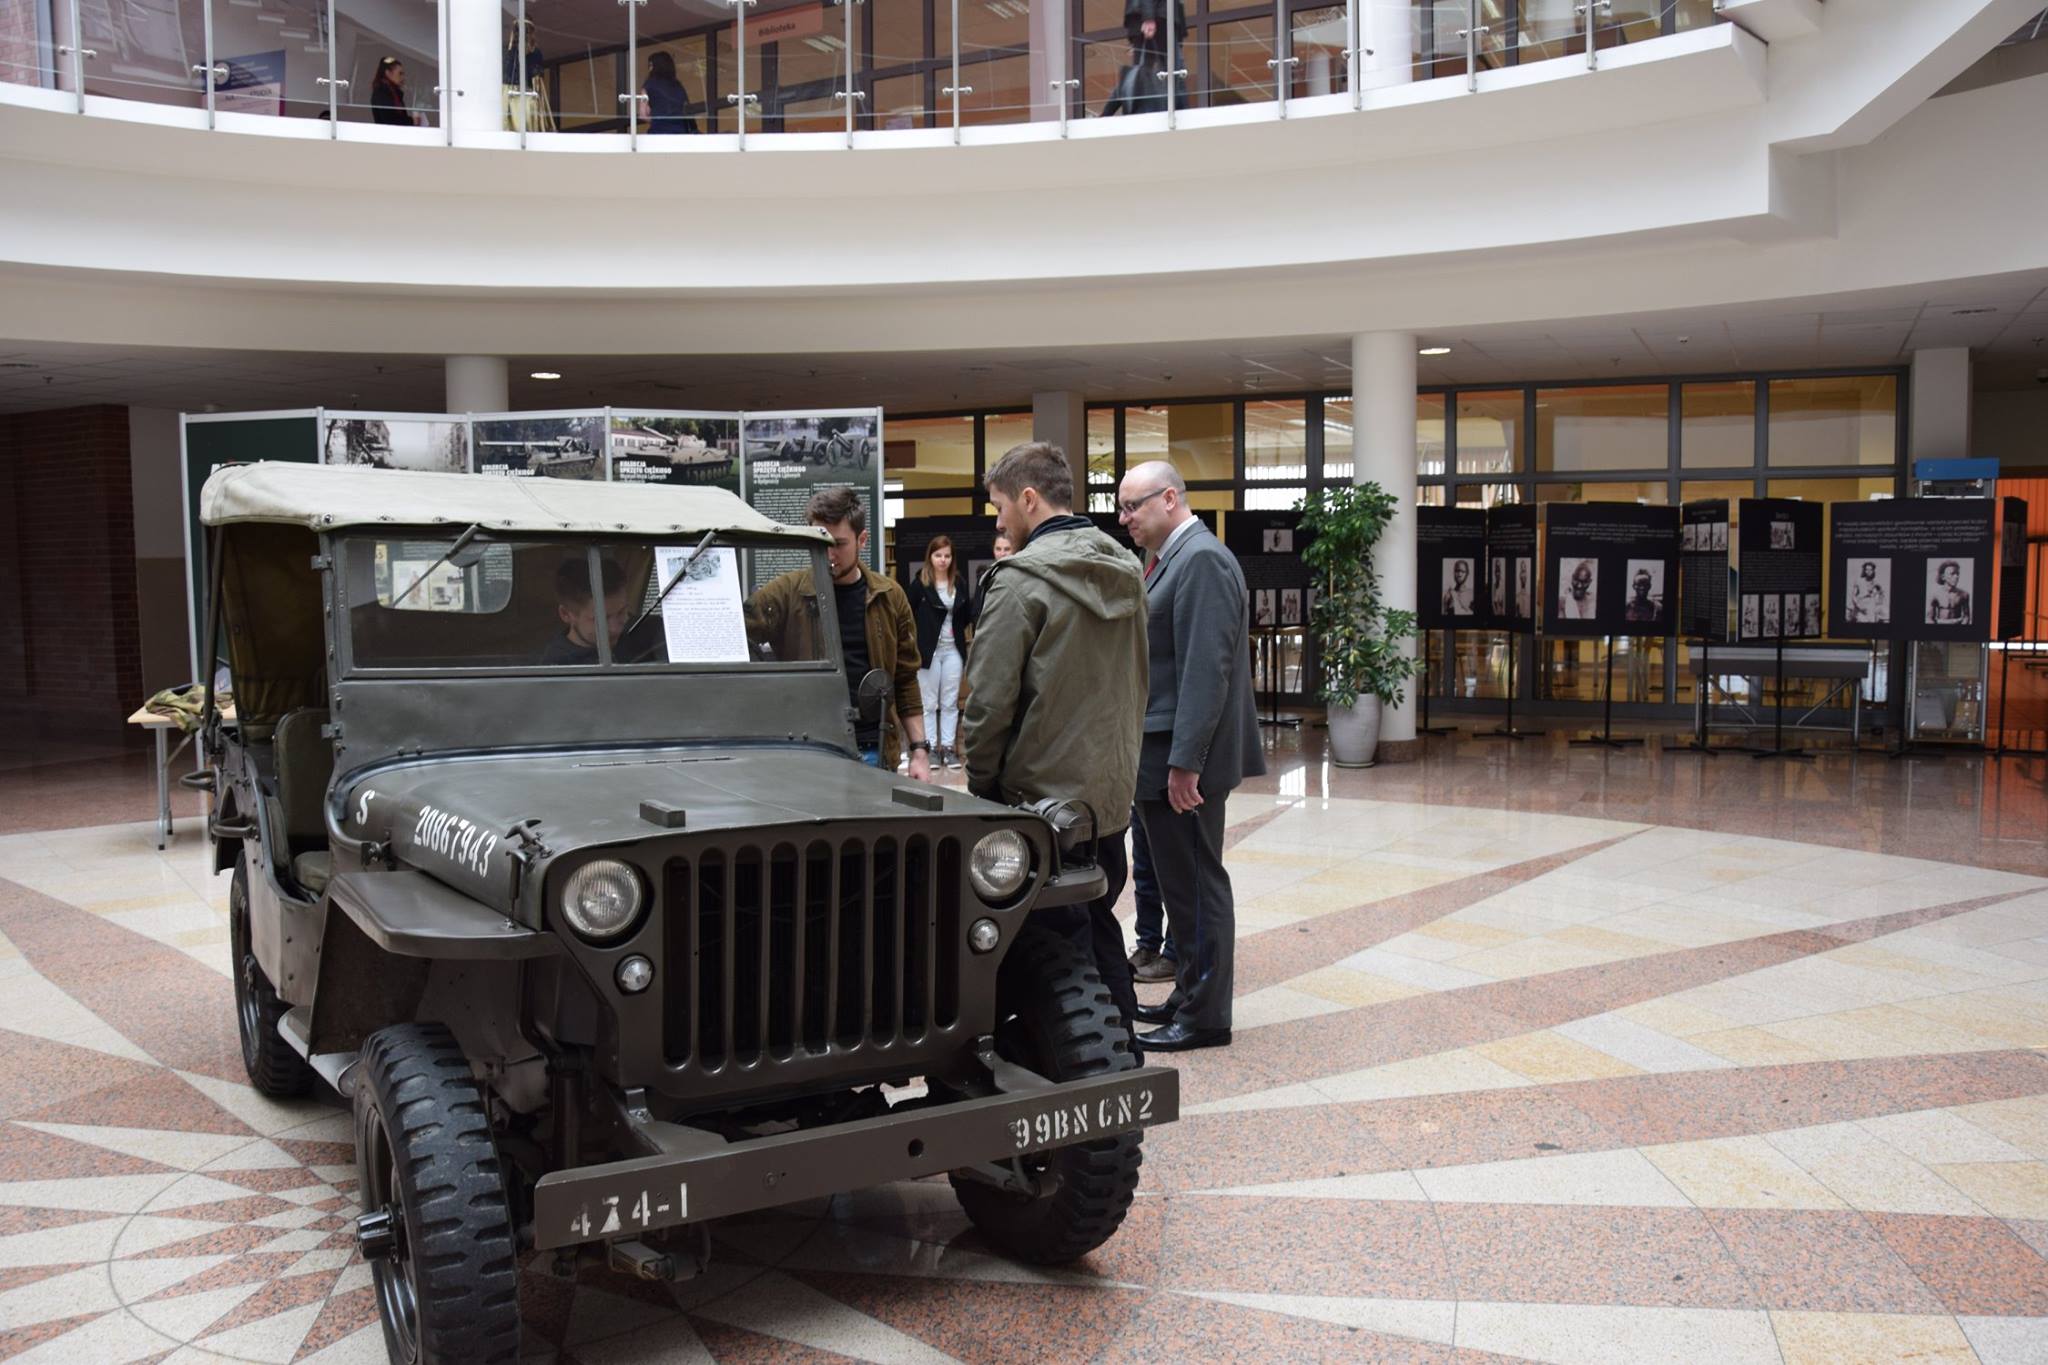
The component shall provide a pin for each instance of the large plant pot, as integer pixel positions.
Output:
(1355, 733)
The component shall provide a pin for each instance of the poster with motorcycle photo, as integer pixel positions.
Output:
(697, 449)
(785, 457)
(420, 442)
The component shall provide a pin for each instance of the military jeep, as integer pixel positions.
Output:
(553, 854)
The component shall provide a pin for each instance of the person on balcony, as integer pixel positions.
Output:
(1141, 87)
(667, 100)
(387, 96)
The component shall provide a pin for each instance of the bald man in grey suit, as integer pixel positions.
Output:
(1201, 740)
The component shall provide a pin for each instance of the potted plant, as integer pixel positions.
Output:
(1359, 636)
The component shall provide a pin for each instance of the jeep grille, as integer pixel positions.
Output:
(832, 945)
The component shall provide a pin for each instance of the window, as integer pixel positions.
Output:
(1852, 420)
(1432, 453)
(1002, 431)
(1197, 438)
(1102, 459)
(929, 452)
(1276, 439)
(1337, 466)
(1717, 425)
(1490, 432)
(1614, 426)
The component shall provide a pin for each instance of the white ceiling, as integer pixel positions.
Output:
(2005, 323)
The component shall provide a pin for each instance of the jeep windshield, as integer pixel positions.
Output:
(472, 600)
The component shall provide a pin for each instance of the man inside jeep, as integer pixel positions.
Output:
(576, 606)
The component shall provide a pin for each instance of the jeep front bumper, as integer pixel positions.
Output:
(627, 1198)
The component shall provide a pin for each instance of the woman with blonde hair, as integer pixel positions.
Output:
(943, 607)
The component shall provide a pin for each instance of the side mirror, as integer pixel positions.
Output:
(873, 697)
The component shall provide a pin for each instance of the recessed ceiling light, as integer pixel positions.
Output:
(544, 374)
(1434, 350)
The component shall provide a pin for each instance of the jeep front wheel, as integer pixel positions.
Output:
(274, 1065)
(435, 1225)
(1056, 1017)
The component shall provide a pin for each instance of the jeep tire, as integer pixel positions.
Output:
(1054, 1015)
(275, 1067)
(444, 1262)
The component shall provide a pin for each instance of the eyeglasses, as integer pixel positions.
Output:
(1130, 509)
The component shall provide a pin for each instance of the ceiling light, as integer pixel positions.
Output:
(544, 374)
(1969, 312)
(1434, 350)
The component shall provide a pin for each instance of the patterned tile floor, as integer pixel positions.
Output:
(1546, 1055)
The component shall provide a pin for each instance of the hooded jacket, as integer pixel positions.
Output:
(1058, 675)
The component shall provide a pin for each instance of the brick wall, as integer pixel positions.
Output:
(70, 643)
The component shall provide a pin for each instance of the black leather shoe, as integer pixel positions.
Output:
(1153, 1014)
(1181, 1038)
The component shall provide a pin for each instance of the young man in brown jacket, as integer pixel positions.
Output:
(1057, 680)
(876, 629)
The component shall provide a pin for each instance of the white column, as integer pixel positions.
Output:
(478, 383)
(476, 66)
(1387, 32)
(1049, 50)
(1383, 452)
(1062, 419)
(1939, 405)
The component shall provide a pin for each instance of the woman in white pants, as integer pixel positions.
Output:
(942, 605)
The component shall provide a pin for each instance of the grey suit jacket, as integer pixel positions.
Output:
(1200, 713)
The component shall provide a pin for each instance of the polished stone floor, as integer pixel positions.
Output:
(1541, 1053)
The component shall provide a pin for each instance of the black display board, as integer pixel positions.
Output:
(1703, 569)
(1268, 548)
(1511, 580)
(1779, 561)
(1612, 568)
(1911, 568)
(2012, 569)
(1450, 551)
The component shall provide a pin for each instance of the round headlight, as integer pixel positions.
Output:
(984, 936)
(602, 899)
(999, 865)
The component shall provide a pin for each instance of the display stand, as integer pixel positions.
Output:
(1700, 743)
(1426, 728)
(1778, 749)
(2005, 670)
(1607, 739)
(1270, 667)
(1506, 729)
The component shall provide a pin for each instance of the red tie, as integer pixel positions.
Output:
(1150, 567)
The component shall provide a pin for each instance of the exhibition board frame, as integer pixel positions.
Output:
(306, 435)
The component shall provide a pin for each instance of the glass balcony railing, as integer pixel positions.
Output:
(834, 68)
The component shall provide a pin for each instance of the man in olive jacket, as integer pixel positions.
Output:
(875, 627)
(1057, 680)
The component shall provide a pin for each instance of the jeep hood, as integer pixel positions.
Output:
(474, 822)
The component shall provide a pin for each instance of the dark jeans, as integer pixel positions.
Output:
(1093, 925)
(1151, 909)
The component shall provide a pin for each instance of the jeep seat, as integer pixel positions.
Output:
(305, 764)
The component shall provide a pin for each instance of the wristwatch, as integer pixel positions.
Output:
(917, 744)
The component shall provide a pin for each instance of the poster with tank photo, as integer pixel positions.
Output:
(2012, 568)
(1911, 568)
(1511, 551)
(1290, 606)
(1611, 564)
(395, 440)
(1752, 620)
(551, 445)
(695, 448)
(1264, 606)
(1450, 547)
(785, 457)
(1777, 546)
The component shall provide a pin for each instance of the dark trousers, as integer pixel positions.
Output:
(1094, 926)
(1151, 909)
(1187, 857)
